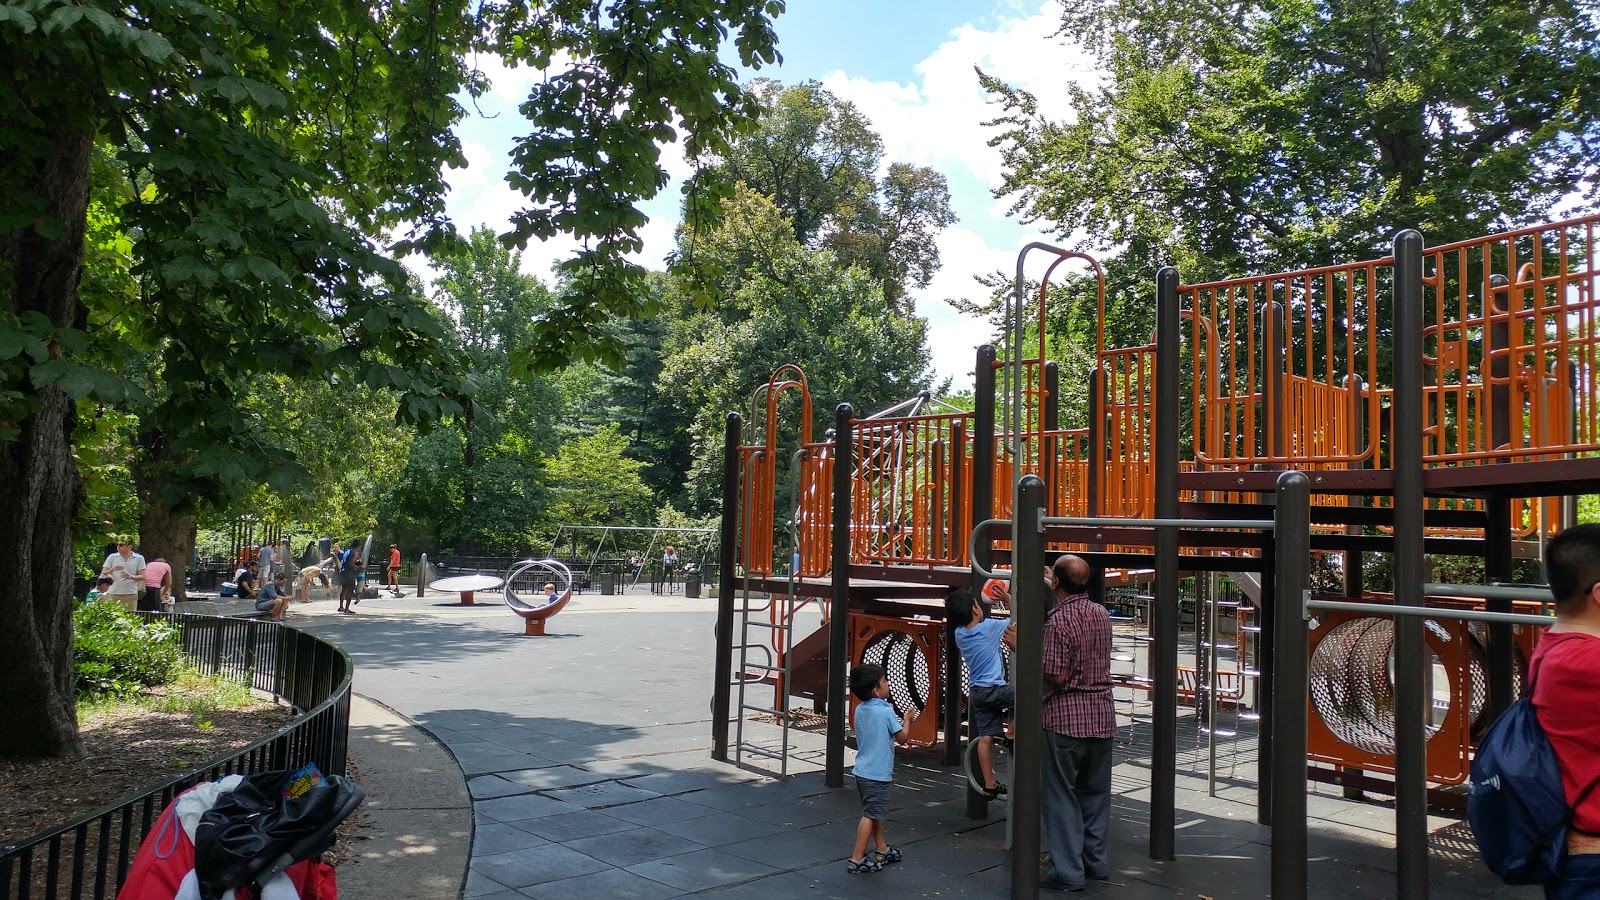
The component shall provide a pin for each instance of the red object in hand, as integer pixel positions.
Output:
(995, 589)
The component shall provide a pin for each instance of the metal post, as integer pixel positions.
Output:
(1028, 606)
(1049, 447)
(952, 656)
(1410, 648)
(422, 574)
(1164, 617)
(1355, 560)
(983, 458)
(1276, 366)
(1094, 487)
(1293, 531)
(839, 613)
(723, 688)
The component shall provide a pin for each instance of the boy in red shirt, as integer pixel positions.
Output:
(1565, 670)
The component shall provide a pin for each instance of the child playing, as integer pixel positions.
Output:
(102, 586)
(979, 638)
(878, 729)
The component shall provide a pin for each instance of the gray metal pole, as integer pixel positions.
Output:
(1028, 607)
(422, 574)
(1164, 621)
(1410, 648)
(1291, 688)
(1095, 484)
(839, 622)
(721, 691)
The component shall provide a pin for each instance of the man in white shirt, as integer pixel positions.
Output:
(126, 569)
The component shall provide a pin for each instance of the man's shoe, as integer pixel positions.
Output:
(1049, 882)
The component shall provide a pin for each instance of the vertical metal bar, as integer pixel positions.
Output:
(1094, 483)
(1164, 620)
(1497, 567)
(839, 621)
(1410, 649)
(1293, 530)
(1028, 606)
(983, 459)
(1050, 451)
(731, 437)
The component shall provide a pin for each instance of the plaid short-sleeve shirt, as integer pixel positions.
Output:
(1077, 644)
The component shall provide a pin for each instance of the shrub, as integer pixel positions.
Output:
(116, 653)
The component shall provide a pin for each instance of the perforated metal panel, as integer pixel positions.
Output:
(909, 650)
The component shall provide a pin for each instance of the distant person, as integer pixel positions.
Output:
(394, 569)
(1080, 724)
(1565, 674)
(102, 586)
(267, 565)
(157, 586)
(126, 569)
(274, 598)
(348, 562)
(319, 573)
(635, 562)
(248, 580)
(992, 697)
(669, 566)
(878, 729)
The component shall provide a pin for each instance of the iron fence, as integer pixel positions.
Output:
(89, 856)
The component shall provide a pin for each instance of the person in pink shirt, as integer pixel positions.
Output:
(157, 586)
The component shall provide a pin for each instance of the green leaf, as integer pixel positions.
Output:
(19, 16)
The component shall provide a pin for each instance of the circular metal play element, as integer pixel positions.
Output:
(467, 585)
(524, 591)
(1352, 684)
(906, 666)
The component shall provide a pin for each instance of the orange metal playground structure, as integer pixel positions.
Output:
(1275, 372)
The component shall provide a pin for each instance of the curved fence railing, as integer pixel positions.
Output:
(89, 856)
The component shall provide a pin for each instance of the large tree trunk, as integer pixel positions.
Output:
(39, 485)
(162, 535)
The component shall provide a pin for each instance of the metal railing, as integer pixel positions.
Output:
(90, 856)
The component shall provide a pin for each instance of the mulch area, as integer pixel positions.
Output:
(126, 753)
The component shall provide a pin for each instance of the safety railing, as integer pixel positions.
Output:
(90, 856)
(908, 489)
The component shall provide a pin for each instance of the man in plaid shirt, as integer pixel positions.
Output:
(1080, 722)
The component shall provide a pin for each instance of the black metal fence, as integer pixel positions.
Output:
(90, 856)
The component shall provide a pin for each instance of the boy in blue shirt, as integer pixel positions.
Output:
(979, 638)
(878, 729)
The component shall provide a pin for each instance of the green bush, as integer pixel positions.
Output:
(116, 653)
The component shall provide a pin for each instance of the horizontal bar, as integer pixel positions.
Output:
(982, 528)
(1431, 612)
(1101, 522)
(1490, 592)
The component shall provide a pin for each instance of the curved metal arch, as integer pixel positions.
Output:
(535, 614)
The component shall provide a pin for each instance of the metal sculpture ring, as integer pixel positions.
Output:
(522, 590)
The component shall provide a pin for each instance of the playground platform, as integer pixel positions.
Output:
(586, 753)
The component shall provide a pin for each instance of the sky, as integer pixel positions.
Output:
(908, 67)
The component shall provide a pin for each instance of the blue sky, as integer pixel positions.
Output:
(908, 66)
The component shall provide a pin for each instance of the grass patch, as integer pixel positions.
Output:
(190, 692)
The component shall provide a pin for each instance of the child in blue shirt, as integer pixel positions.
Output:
(992, 697)
(878, 729)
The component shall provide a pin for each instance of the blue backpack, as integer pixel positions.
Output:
(1515, 801)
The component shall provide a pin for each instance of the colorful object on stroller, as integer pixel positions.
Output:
(245, 837)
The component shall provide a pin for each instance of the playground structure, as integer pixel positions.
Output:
(522, 595)
(1437, 401)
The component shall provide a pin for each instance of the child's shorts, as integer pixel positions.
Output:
(874, 798)
(990, 703)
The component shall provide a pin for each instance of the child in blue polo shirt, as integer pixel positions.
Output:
(979, 638)
(878, 729)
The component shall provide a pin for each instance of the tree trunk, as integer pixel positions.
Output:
(162, 535)
(39, 485)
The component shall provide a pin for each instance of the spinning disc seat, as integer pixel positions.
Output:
(524, 595)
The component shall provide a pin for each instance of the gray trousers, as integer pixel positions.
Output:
(1076, 806)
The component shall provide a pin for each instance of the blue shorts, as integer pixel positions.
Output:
(1580, 879)
(874, 798)
(990, 703)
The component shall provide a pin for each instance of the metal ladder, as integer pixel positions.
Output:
(1241, 647)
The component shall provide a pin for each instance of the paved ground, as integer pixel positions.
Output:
(586, 754)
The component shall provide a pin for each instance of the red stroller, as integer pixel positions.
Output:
(245, 837)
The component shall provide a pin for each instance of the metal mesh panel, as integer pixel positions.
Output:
(907, 667)
(1352, 684)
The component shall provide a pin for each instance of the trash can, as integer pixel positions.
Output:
(691, 585)
(608, 581)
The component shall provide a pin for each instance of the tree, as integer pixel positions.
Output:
(1258, 137)
(797, 306)
(593, 482)
(264, 150)
(817, 158)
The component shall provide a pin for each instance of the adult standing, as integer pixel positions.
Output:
(126, 569)
(267, 563)
(669, 566)
(348, 562)
(394, 568)
(1080, 722)
(157, 585)
(1565, 673)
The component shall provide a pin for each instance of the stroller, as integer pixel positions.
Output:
(245, 837)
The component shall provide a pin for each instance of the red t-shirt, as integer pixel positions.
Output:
(1566, 693)
(394, 559)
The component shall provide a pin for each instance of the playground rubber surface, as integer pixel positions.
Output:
(586, 754)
